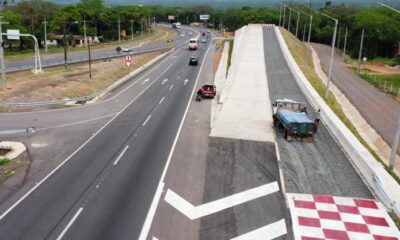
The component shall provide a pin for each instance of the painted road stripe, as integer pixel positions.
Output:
(80, 147)
(186, 81)
(70, 223)
(270, 231)
(147, 119)
(193, 212)
(162, 100)
(157, 195)
(120, 155)
(164, 81)
(171, 87)
(145, 81)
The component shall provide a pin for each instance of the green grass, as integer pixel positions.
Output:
(229, 56)
(387, 83)
(298, 49)
(389, 61)
(4, 161)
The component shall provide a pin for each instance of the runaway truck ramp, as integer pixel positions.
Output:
(241, 158)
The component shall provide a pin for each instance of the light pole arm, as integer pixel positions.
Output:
(387, 6)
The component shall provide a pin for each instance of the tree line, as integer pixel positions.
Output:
(381, 25)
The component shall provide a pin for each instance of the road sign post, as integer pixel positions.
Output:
(128, 60)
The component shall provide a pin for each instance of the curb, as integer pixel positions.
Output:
(16, 149)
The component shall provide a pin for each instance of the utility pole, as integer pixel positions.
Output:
(3, 67)
(84, 32)
(338, 40)
(345, 42)
(360, 53)
(284, 16)
(309, 31)
(290, 16)
(141, 27)
(297, 24)
(131, 28)
(90, 62)
(119, 30)
(45, 33)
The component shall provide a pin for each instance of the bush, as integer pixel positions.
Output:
(4, 161)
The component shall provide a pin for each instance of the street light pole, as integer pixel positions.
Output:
(309, 31)
(84, 31)
(90, 62)
(141, 27)
(360, 53)
(290, 15)
(338, 40)
(3, 67)
(45, 33)
(345, 42)
(332, 53)
(297, 24)
(284, 15)
(280, 14)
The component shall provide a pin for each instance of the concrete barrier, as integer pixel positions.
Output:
(379, 181)
(16, 148)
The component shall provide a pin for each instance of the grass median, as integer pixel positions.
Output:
(58, 83)
(303, 58)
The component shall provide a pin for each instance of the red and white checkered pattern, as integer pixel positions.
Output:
(327, 217)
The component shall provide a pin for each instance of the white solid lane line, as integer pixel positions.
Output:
(162, 100)
(147, 119)
(157, 195)
(70, 223)
(120, 155)
(171, 87)
(270, 231)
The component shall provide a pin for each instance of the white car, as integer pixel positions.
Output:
(127, 49)
(203, 40)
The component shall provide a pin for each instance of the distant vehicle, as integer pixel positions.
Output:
(127, 49)
(292, 116)
(182, 35)
(176, 25)
(206, 91)
(194, 61)
(203, 34)
(203, 40)
(190, 33)
(193, 44)
(209, 31)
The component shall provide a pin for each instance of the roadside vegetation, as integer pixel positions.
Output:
(299, 50)
(60, 83)
(229, 56)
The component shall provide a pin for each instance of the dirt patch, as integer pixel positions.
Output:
(12, 167)
(58, 83)
(380, 68)
(4, 151)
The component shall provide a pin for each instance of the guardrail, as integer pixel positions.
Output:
(379, 181)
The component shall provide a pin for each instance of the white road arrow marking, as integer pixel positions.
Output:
(269, 231)
(193, 212)
(186, 81)
(164, 81)
(145, 81)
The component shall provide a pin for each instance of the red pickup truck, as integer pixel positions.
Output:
(206, 91)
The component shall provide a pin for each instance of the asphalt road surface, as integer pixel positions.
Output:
(378, 109)
(319, 167)
(104, 190)
(55, 60)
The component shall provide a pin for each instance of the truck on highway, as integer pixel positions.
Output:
(292, 117)
(193, 44)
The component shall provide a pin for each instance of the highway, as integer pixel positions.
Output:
(105, 187)
(96, 54)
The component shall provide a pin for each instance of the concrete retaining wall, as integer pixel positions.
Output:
(382, 185)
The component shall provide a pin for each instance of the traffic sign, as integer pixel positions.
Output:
(128, 60)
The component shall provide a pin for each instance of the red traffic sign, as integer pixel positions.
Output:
(128, 60)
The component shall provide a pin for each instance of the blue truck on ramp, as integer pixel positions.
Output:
(292, 116)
